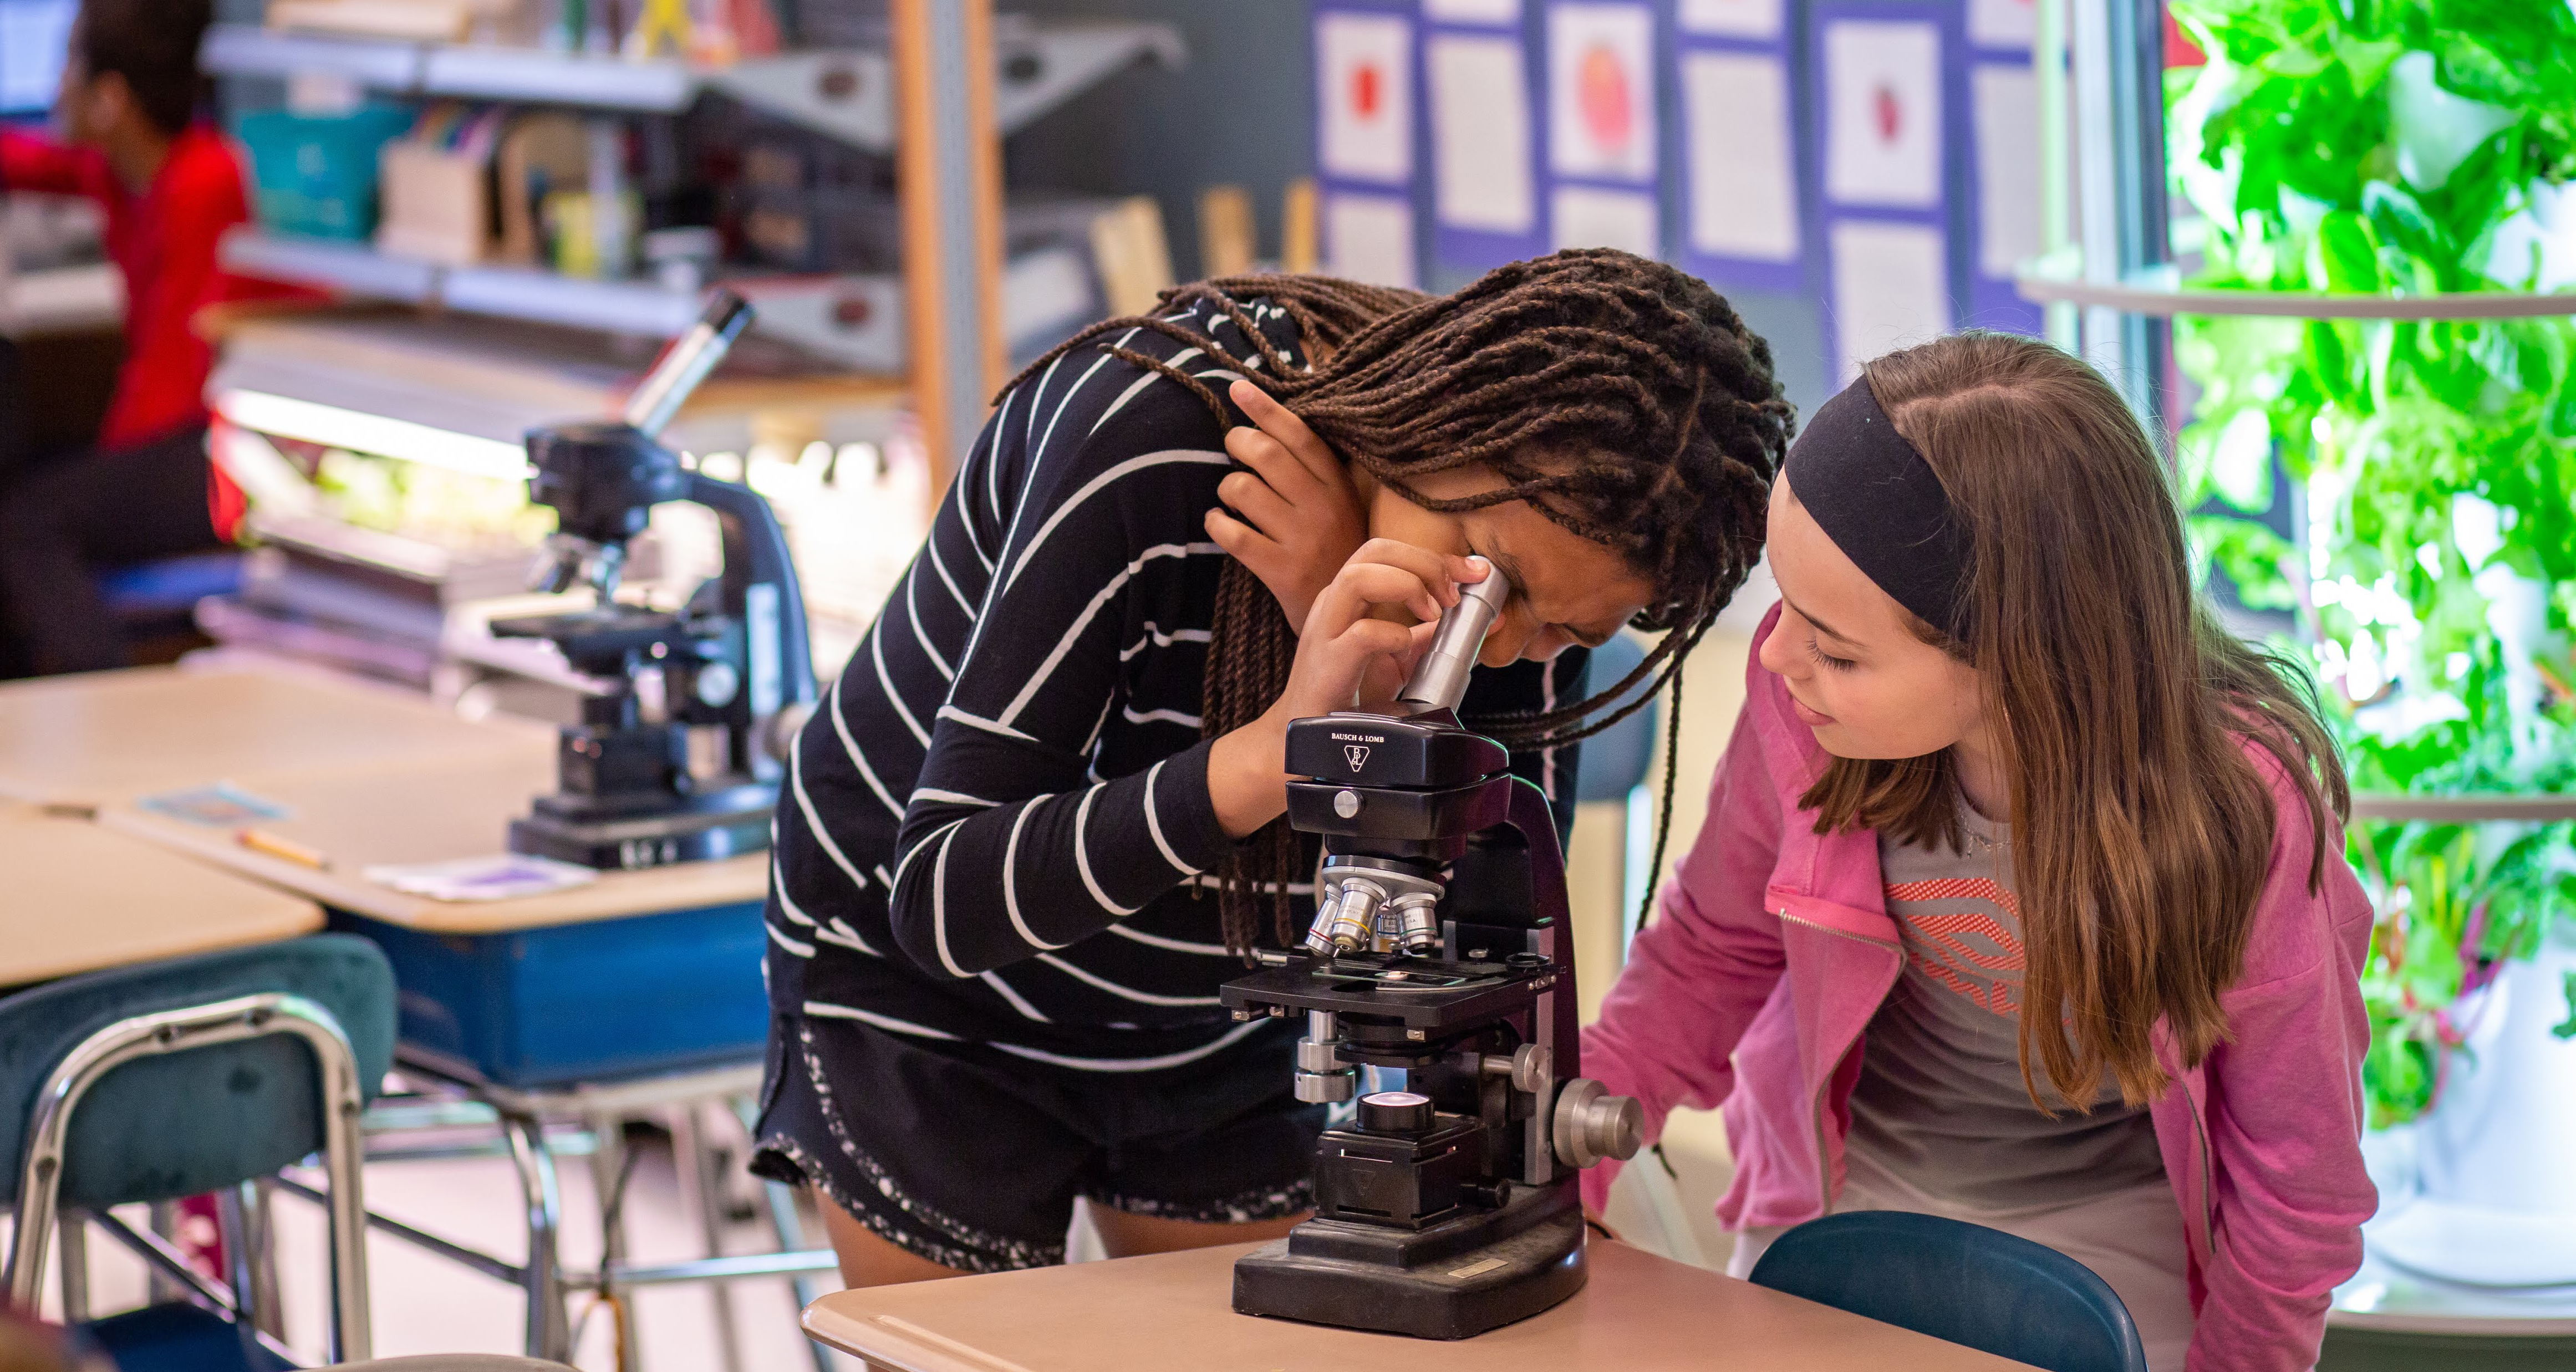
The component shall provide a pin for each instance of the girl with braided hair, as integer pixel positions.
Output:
(1036, 822)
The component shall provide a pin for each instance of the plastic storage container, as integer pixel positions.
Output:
(315, 174)
(641, 996)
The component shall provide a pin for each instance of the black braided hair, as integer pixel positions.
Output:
(1622, 398)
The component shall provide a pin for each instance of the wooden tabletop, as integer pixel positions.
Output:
(82, 898)
(1174, 1311)
(414, 811)
(109, 735)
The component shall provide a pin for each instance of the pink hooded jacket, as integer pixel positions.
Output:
(1772, 949)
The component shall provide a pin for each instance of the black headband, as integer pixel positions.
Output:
(1877, 499)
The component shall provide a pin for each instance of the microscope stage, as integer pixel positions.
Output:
(1420, 993)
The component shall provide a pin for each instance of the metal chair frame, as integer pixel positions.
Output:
(451, 1097)
(233, 1020)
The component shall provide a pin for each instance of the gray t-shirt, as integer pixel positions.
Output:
(1940, 1103)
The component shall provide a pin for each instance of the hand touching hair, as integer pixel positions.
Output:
(1622, 398)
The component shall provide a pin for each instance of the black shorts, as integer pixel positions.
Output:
(972, 1158)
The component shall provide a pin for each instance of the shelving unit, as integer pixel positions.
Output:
(894, 93)
(1042, 290)
(634, 306)
(845, 94)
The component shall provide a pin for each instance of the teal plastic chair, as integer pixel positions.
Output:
(1614, 760)
(190, 1076)
(1961, 1282)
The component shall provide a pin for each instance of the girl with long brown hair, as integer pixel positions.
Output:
(1034, 825)
(2021, 897)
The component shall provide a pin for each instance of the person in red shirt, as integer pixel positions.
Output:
(170, 185)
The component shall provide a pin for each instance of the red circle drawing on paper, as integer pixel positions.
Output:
(1601, 92)
(1364, 89)
(1891, 114)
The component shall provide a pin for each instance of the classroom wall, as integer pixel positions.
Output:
(1241, 111)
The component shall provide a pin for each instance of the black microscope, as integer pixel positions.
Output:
(1442, 945)
(677, 758)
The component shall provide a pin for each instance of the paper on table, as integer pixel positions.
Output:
(1364, 75)
(1883, 113)
(220, 806)
(1891, 290)
(502, 876)
(1601, 91)
(1743, 175)
(1480, 133)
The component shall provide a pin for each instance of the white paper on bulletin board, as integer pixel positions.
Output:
(2003, 23)
(1364, 75)
(1732, 18)
(1370, 238)
(2005, 101)
(1891, 289)
(1883, 113)
(1601, 91)
(1482, 177)
(1743, 177)
(1590, 217)
(1472, 11)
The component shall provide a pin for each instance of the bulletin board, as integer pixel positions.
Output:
(1604, 121)
(1745, 197)
(2003, 149)
(1886, 95)
(1485, 143)
(1366, 77)
(1878, 156)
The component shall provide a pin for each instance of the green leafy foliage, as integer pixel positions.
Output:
(2398, 147)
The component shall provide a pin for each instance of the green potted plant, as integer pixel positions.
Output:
(2402, 148)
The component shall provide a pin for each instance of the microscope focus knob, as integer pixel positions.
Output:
(1591, 1124)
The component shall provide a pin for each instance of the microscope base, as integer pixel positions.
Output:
(627, 844)
(1451, 1281)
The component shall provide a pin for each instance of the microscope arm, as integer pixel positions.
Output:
(755, 555)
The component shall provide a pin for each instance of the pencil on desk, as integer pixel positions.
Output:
(261, 841)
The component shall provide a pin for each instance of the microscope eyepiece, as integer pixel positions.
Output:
(1439, 681)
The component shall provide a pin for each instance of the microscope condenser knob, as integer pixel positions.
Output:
(1395, 1112)
(1591, 1124)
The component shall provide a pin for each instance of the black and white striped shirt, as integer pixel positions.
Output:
(995, 826)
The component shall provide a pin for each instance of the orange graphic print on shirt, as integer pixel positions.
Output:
(1974, 952)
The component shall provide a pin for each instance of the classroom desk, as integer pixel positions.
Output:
(83, 740)
(640, 973)
(82, 899)
(637, 989)
(1174, 1311)
(394, 811)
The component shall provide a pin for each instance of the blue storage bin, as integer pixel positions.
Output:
(178, 1338)
(645, 995)
(315, 174)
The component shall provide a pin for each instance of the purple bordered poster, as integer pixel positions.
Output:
(1364, 141)
(1604, 133)
(1478, 83)
(1743, 208)
(2004, 163)
(1886, 99)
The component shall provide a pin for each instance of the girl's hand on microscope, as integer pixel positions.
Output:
(1295, 518)
(1345, 658)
